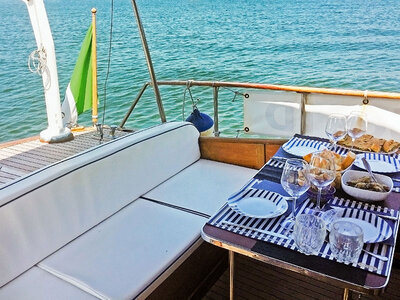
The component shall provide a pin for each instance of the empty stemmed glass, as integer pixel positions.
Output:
(296, 182)
(356, 125)
(336, 128)
(322, 172)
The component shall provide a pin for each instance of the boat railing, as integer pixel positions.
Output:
(305, 92)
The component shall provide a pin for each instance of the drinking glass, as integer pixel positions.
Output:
(296, 182)
(309, 233)
(346, 241)
(356, 125)
(322, 172)
(336, 128)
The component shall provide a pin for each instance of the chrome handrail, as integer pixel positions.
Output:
(305, 91)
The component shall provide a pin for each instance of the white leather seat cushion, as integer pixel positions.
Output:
(47, 209)
(203, 186)
(37, 284)
(120, 257)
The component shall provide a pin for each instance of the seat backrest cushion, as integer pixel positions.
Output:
(43, 211)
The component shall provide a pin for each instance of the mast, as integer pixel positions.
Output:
(149, 63)
(94, 69)
(47, 67)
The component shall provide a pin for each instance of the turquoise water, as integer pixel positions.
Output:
(334, 43)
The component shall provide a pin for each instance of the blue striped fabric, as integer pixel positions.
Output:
(295, 142)
(365, 262)
(388, 163)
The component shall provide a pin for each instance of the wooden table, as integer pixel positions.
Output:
(347, 277)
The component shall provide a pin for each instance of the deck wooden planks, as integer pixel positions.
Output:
(256, 280)
(18, 158)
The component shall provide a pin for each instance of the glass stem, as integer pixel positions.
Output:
(318, 207)
(293, 214)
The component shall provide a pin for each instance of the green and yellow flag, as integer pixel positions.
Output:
(78, 96)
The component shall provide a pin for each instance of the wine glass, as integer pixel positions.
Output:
(336, 128)
(356, 125)
(296, 182)
(322, 172)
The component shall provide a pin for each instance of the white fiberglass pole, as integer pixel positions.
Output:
(56, 132)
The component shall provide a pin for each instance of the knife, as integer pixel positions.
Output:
(279, 158)
(257, 230)
(379, 214)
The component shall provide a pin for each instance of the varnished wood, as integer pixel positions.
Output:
(251, 153)
(194, 274)
(287, 88)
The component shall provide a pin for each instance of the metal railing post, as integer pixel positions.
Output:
(133, 105)
(215, 97)
(304, 99)
(149, 63)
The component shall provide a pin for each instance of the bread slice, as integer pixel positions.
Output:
(348, 160)
(376, 144)
(390, 146)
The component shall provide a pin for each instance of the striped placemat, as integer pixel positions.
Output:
(227, 216)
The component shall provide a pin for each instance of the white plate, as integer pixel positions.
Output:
(269, 206)
(380, 163)
(301, 147)
(375, 229)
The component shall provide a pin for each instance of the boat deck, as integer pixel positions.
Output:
(256, 280)
(22, 157)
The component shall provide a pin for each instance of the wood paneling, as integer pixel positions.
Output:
(251, 153)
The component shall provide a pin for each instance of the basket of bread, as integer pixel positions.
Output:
(342, 163)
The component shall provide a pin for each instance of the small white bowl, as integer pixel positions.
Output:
(365, 195)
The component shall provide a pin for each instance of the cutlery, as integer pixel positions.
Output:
(363, 265)
(368, 168)
(279, 158)
(380, 257)
(379, 214)
(257, 230)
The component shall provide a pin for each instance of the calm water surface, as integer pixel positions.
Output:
(334, 43)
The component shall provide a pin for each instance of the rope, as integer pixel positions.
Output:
(37, 63)
(108, 63)
(194, 103)
(235, 93)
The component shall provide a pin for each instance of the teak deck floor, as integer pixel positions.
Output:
(257, 280)
(25, 156)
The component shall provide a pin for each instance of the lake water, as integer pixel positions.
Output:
(352, 44)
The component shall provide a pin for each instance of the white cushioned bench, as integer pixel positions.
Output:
(83, 222)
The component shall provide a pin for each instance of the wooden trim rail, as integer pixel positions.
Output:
(288, 88)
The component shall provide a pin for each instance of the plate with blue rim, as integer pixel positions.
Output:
(380, 163)
(263, 204)
(300, 146)
(375, 228)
